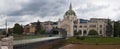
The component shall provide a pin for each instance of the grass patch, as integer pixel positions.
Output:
(104, 40)
(73, 40)
(101, 40)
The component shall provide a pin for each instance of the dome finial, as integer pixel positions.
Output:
(70, 8)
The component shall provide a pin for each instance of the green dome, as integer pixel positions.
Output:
(70, 12)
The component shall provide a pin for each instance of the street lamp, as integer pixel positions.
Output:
(7, 34)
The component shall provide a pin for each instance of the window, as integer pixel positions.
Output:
(75, 22)
(100, 26)
(100, 31)
(80, 32)
(75, 26)
(75, 31)
(85, 32)
(80, 26)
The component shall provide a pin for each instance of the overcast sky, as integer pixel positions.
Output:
(26, 11)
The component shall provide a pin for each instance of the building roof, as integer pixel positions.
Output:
(70, 11)
(55, 23)
(83, 21)
(45, 23)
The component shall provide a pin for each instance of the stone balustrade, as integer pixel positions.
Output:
(6, 43)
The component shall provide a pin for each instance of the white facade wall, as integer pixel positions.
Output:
(98, 24)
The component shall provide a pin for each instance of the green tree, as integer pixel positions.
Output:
(93, 32)
(117, 28)
(17, 29)
(78, 33)
(55, 32)
(109, 29)
(10, 31)
(21, 29)
(38, 28)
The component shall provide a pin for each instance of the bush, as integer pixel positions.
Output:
(93, 32)
(82, 38)
(55, 32)
(79, 38)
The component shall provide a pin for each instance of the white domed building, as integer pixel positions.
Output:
(73, 25)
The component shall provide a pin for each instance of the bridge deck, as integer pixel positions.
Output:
(34, 40)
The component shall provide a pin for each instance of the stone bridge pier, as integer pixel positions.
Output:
(6, 43)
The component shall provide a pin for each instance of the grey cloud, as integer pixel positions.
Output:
(15, 19)
(91, 8)
(45, 8)
(41, 8)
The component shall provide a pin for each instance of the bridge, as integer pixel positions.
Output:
(8, 43)
(32, 43)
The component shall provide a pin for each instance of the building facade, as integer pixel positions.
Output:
(103, 27)
(72, 25)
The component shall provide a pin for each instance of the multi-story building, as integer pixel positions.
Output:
(103, 27)
(72, 25)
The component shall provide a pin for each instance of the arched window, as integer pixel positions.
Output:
(80, 32)
(80, 26)
(75, 32)
(84, 32)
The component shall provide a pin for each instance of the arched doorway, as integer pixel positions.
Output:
(68, 29)
(60, 32)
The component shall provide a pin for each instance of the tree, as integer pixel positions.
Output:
(55, 32)
(93, 32)
(21, 29)
(109, 31)
(17, 29)
(10, 31)
(38, 28)
(78, 33)
(116, 29)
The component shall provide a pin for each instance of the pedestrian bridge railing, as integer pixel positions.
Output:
(33, 43)
(8, 43)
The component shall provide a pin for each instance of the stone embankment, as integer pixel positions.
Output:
(6, 43)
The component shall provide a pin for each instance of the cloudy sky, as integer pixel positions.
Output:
(26, 11)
